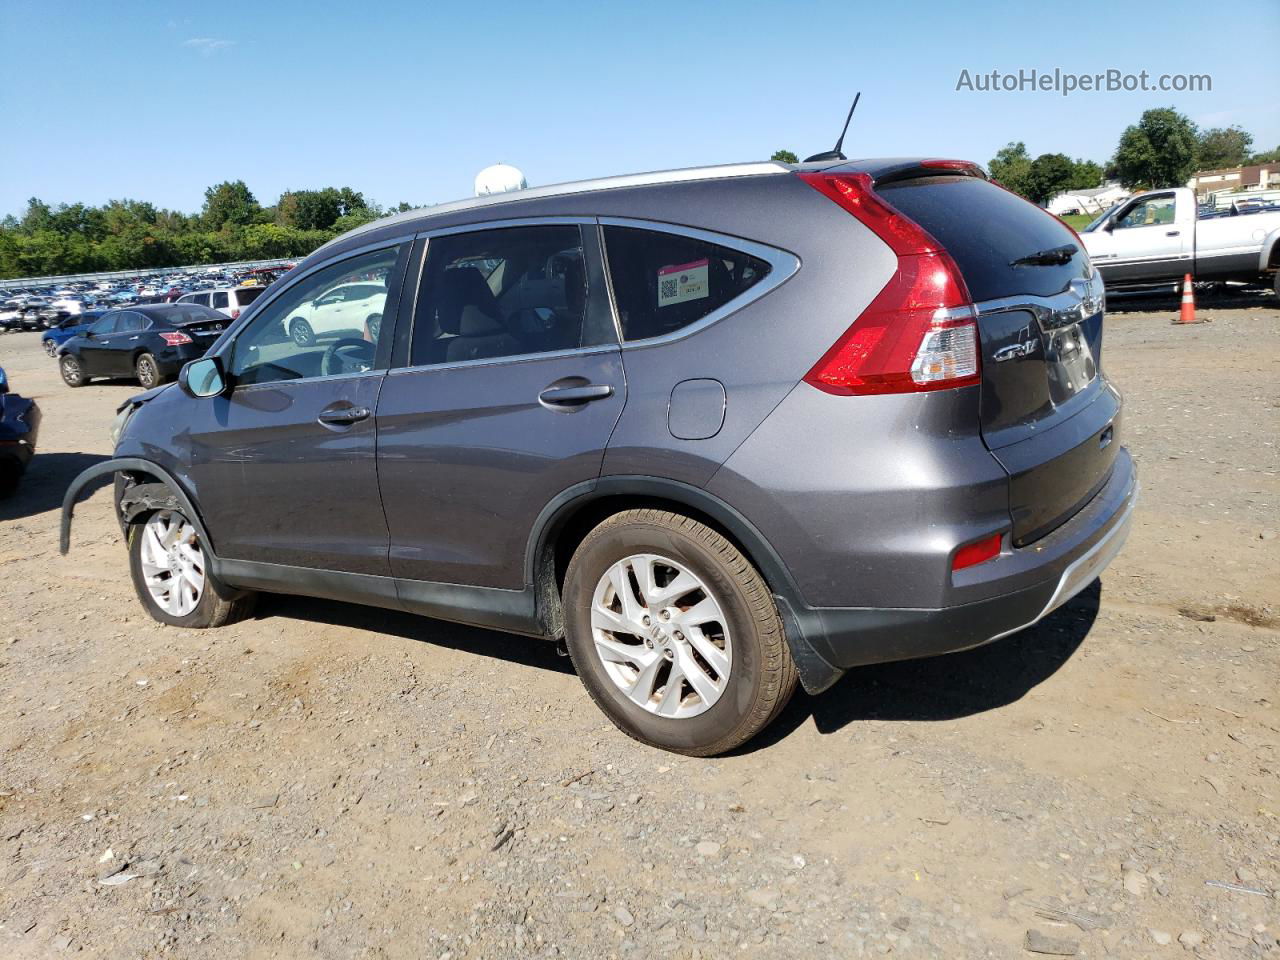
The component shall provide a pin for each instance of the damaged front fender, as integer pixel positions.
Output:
(170, 497)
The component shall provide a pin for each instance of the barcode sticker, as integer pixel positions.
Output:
(682, 282)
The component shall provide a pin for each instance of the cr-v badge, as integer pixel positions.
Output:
(1024, 349)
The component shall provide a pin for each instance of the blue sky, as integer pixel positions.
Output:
(407, 100)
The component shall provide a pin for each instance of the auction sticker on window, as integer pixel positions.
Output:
(684, 281)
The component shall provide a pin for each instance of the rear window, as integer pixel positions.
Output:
(191, 313)
(985, 228)
(663, 282)
(247, 295)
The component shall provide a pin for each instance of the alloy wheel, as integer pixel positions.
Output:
(173, 564)
(662, 636)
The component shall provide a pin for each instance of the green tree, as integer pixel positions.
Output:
(785, 156)
(1269, 156)
(1223, 148)
(1049, 175)
(1158, 151)
(229, 202)
(1011, 167)
(1085, 175)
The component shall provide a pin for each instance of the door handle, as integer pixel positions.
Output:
(571, 395)
(1173, 233)
(344, 416)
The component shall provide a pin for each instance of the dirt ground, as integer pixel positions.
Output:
(331, 781)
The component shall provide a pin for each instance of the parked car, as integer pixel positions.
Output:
(814, 418)
(64, 330)
(10, 315)
(149, 342)
(19, 429)
(1159, 236)
(230, 301)
(348, 309)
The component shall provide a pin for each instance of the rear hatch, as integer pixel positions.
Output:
(1048, 415)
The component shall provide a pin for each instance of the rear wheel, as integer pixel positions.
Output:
(50, 348)
(675, 634)
(301, 332)
(171, 576)
(148, 372)
(72, 371)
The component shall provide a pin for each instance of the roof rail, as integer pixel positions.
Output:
(717, 172)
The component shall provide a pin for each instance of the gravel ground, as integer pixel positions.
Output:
(331, 781)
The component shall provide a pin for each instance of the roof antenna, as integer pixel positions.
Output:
(836, 154)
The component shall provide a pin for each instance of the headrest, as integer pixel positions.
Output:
(458, 289)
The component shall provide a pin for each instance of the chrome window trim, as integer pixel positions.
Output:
(513, 358)
(506, 224)
(783, 265)
(278, 384)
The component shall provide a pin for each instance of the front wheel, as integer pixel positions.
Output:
(169, 567)
(675, 633)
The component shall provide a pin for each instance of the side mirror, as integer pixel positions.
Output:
(203, 377)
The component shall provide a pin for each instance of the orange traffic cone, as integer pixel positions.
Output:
(1188, 314)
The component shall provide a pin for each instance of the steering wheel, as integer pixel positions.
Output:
(347, 355)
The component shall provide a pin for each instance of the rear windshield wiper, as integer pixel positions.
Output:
(1054, 256)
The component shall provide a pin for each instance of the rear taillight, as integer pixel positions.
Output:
(235, 314)
(175, 339)
(920, 332)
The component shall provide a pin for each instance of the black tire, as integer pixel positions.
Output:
(762, 677)
(50, 348)
(72, 371)
(301, 333)
(147, 371)
(373, 325)
(218, 604)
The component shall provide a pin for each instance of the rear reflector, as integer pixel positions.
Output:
(975, 553)
(920, 332)
(175, 339)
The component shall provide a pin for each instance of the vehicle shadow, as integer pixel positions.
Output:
(525, 651)
(45, 483)
(946, 687)
(937, 688)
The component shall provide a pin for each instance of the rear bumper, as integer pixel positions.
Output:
(1065, 562)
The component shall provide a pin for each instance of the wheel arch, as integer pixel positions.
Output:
(139, 470)
(569, 517)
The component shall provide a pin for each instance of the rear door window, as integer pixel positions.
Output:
(663, 282)
(220, 300)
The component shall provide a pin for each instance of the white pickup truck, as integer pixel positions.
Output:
(1157, 237)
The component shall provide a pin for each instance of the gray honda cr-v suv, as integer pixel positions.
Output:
(718, 429)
